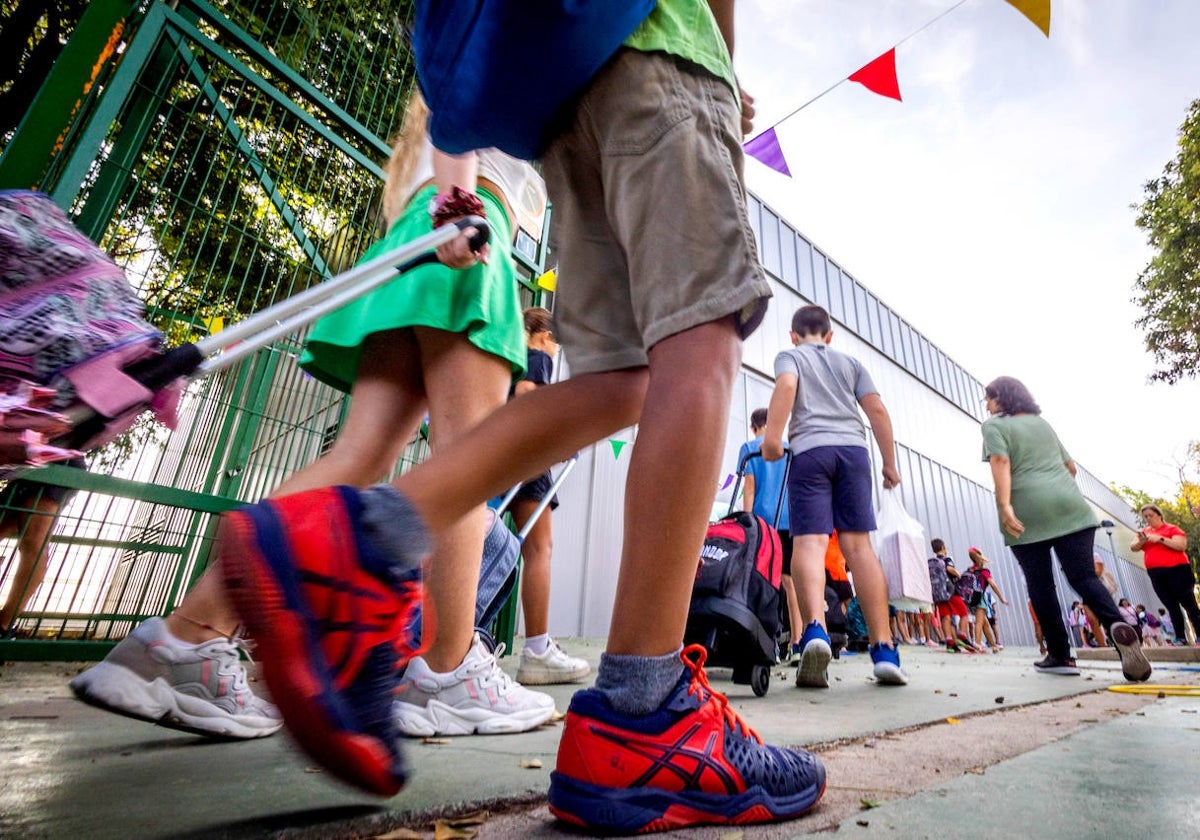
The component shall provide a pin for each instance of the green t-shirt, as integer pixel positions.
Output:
(687, 29)
(1045, 496)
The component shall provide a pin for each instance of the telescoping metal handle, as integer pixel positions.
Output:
(741, 472)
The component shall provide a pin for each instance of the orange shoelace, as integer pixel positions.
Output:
(693, 657)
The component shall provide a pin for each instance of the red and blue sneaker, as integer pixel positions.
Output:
(694, 761)
(332, 616)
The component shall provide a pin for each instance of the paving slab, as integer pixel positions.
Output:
(75, 771)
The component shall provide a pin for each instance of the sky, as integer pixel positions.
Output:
(992, 207)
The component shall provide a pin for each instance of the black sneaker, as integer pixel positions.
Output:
(1134, 664)
(1054, 665)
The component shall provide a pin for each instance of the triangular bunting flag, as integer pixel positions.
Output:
(765, 149)
(1038, 12)
(214, 324)
(617, 446)
(728, 481)
(548, 280)
(880, 76)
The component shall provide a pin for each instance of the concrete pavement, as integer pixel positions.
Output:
(1033, 755)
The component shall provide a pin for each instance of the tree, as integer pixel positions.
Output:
(1168, 289)
(1183, 510)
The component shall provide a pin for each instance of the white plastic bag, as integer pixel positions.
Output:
(900, 543)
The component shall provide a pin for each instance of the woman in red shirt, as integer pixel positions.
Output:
(1169, 569)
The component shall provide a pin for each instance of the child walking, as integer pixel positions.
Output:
(818, 392)
(447, 342)
(660, 280)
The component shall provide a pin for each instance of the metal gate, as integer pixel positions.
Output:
(226, 154)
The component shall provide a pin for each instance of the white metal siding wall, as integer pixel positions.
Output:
(935, 411)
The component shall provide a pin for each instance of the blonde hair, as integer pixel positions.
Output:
(407, 145)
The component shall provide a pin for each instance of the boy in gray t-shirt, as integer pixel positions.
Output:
(829, 486)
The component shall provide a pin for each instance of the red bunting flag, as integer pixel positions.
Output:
(880, 76)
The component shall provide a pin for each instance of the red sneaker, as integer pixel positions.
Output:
(694, 761)
(333, 620)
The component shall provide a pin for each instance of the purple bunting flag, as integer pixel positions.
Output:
(765, 149)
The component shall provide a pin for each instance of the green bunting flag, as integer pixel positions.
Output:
(617, 445)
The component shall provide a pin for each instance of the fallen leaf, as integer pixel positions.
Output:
(978, 771)
(1162, 694)
(398, 834)
(952, 720)
(531, 764)
(473, 818)
(864, 823)
(868, 804)
(952, 694)
(1000, 699)
(732, 835)
(435, 740)
(870, 744)
(557, 716)
(312, 770)
(443, 830)
(938, 691)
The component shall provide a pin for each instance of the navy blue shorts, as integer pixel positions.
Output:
(830, 487)
(536, 489)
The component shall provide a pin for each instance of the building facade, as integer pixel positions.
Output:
(936, 408)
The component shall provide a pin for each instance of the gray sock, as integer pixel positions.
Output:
(394, 528)
(637, 685)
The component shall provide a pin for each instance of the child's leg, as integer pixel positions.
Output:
(543, 428)
(536, 552)
(386, 406)
(33, 532)
(869, 582)
(668, 494)
(464, 385)
(808, 576)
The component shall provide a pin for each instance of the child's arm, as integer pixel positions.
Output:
(881, 428)
(462, 171)
(748, 494)
(778, 412)
(996, 589)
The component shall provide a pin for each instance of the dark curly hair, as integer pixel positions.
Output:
(1013, 396)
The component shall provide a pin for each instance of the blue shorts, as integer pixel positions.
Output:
(830, 487)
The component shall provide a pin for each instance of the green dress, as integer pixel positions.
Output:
(1044, 496)
(481, 302)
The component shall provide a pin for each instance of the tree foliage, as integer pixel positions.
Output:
(1183, 508)
(1168, 289)
(31, 39)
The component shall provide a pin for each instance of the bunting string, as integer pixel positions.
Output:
(878, 76)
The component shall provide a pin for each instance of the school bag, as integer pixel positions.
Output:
(500, 72)
(69, 322)
(742, 561)
(939, 580)
(969, 587)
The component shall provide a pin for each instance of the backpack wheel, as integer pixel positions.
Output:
(760, 679)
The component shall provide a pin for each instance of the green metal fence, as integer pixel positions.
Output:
(226, 154)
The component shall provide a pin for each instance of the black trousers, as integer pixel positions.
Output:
(1074, 553)
(1175, 587)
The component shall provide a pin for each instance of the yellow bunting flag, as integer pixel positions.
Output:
(214, 324)
(548, 280)
(617, 446)
(1038, 12)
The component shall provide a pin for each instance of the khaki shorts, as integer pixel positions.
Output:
(650, 223)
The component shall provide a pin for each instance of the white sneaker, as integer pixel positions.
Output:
(200, 689)
(475, 697)
(552, 666)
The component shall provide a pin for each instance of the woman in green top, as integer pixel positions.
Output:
(1041, 508)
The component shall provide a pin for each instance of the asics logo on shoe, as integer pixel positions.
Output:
(686, 761)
